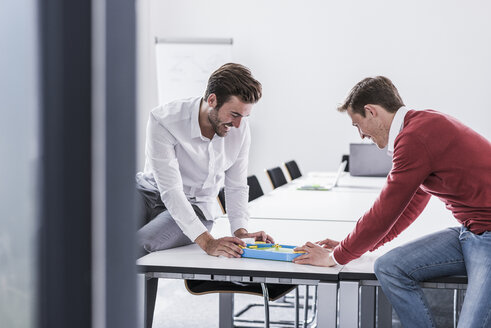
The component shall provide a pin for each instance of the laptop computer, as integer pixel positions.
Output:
(326, 185)
(367, 160)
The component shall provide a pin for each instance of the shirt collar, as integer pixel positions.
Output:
(395, 128)
(195, 129)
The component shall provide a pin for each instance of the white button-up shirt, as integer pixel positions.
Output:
(188, 168)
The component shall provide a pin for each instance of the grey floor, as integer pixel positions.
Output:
(175, 307)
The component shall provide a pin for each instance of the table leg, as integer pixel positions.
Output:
(367, 306)
(384, 310)
(151, 285)
(348, 304)
(226, 310)
(266, 304)
(306, 307)
(327, 304)
(458, 301)
(297, 306)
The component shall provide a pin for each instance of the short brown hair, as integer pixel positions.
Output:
(377, 90)
(233, 80)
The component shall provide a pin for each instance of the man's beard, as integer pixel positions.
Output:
(216, 124)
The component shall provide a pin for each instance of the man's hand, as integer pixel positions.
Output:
(328, 243)
(258, 236)
(315, 255)
(225, 246)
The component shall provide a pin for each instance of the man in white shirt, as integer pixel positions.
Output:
(193, 147)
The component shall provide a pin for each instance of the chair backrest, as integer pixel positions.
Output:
(345, 157)
(255, 190)
(276, 177)
(221, 199)
(293, 170)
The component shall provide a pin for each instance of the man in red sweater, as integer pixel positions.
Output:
(432, 154)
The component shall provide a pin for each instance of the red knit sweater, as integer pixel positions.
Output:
(434, 154)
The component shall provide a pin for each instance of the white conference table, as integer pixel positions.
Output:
(190, 262)
(286, 216)
(346, 202)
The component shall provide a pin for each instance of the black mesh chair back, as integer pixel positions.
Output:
(276, 177)
(255, 190)
(293, 170)
(221, 199)
(345, 158)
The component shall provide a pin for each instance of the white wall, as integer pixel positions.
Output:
(308, 55)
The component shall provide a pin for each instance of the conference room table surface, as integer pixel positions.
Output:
(435, 217)
(191, 262)
(354, 195)
(345, 202)
(349, 197)
(328, 220)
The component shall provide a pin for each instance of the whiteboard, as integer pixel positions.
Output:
(184, 65)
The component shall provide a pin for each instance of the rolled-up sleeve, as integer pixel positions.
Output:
(161, 155)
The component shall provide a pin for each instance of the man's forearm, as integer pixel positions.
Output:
(203, 240)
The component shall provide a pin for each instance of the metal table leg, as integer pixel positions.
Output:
(367, 307)
(348, 304)
(266, 304)
(384, 310)
(297, 306)
(226, 310)
(151, 285)
(327, 304)
(306, 307)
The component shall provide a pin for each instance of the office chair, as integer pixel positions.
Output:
(269, 293)
(293, 170)
(255, 190)
(276, 177)
(345, 158)
(221, 200)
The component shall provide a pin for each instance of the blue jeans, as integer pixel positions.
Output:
(453, 251)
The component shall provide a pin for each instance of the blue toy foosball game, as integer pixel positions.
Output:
(264, 251)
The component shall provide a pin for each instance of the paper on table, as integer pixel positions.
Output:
(314, 187)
